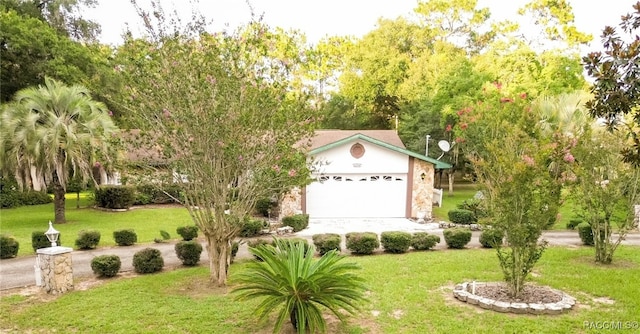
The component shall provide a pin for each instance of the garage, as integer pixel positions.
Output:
(357, 195)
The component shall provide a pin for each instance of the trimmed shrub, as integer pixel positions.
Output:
(88, 239)
(148, 260)
(573, 223)
(265, 206)
(474, 205)
(187, 233)
(153, 194)
(362, 242)
(462, 216)
(9, 246)
(326, 242)
(125, 237)
(251, 228)
(39, 240)
(298, 222)
(106, 265)
(114, 197)
(424, 241)
(491, 237)
(189, 252)
(586, 234)
(395, 241)
(257, 242)
(457, 237)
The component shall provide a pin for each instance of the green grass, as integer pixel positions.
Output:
(461, 192)
(409, 293)
(21, 222)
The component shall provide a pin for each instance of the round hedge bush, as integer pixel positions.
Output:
(457, 237)
(88, 239)
(9, 246)
(462, 216)
(39, 240)
(326, 242)
(148, 260)
(189, 252)
(125, 237)
(297, 222)
(585, 233)
(491, 237)
(395, 241)
(251, 228)
(106, 265)
(188, 232)
(362, 243)
(424, 241)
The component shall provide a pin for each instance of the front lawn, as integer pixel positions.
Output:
(147, 222)
(410, 293)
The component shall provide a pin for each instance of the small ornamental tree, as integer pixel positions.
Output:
(222, 111)
(512, 162)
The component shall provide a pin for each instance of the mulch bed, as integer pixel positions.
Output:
(531, 294)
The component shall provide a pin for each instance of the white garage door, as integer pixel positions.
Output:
(357, 195)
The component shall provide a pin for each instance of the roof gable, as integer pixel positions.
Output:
(438, 164)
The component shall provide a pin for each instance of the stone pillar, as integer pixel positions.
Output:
(56, 269)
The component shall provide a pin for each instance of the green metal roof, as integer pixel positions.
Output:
(438, 164)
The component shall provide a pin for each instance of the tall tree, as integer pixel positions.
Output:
(53, 132)
(224, 112)
(556, 22)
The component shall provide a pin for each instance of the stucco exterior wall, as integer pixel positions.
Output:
(375, 159)
(422, 189)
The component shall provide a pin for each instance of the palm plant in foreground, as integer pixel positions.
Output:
(298, 286)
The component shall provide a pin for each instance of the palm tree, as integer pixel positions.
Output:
(52, 133)
(291, 281)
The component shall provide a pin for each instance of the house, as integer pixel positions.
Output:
(365, 173)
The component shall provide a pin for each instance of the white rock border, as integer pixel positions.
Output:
(464, 293)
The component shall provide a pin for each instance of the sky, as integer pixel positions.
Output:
(320, 18)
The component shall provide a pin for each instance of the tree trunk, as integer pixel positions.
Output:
(451, 176)
(219, 258)
(58, 201)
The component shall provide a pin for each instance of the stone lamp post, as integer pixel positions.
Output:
(55, 265)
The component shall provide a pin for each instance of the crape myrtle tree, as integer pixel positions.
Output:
(502, 138)
(221, 110)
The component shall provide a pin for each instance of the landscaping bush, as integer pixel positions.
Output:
(257, 242)
(235, 246)
(291, 241)
(395, 241)
(586, 234)
(114, 197)
(573, 223)
(326, 242)
(125, 237)
(187, 233)
(457, 237)
(265, 206)
(148, 260)
(251, 228)
(491, 237)
(106, 265)
(39, 240)
(424, 241)
(155, 194)
(88, 239)
(298, 222)
(474, 205)
(9, 246)
(189, 252)
(462, 216)
(34, 198)
(362, 242)
(165, 236)
(11, 196)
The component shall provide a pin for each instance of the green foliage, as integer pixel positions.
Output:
(187, 233)
(491, 237)
(12, 197)
(125, 237)
(362, 243)
(258, 242)
(585, 233)
(39, 240)
(9, 246)
(327, 242)
(106, 265)
(573, 223)
(298, 287)
(165, 235)
(88, 239)
(235, 247)
(457, 238)
(474, 205)
(395, 241)
(298, 222)
(251, 228)
(189, 252)
(156, 194)
(462, 216)
(424, 241)
(147, 261)
(265, 206)
(114, 197)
